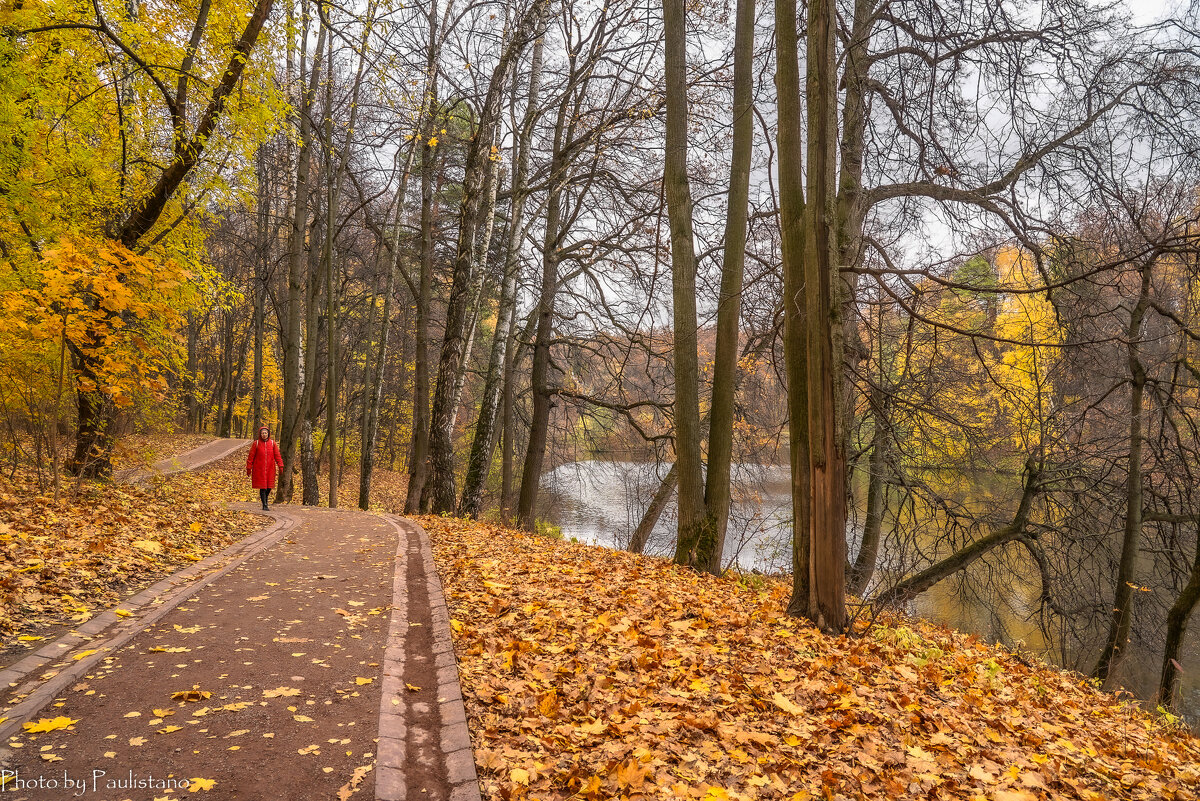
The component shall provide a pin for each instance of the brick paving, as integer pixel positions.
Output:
(341, 610)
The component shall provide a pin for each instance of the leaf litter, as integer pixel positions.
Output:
(598, 674)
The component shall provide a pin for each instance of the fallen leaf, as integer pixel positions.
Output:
(49, 724)
(196, 785)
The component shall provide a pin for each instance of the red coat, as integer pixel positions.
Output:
(261, 462)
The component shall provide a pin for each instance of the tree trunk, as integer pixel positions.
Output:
(292, 380)
(1122, 614)
(308, 462)
(720, 433)
(313, 329)
(333, 186)
(191, 404)
(508, 429)
(658, 502)
(826, 601)
(374, 398)
(964, 557)
(683, 288)
(484, 444)
(539, 380)
(418, 452)
(1177, 620)
(260, 286)
(442, 494)
(868, 553)
(795, 336)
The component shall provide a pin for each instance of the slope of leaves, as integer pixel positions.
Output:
(146, 448)
(60, 563)
(589, 673)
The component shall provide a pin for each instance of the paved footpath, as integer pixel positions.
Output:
(309, 661)
(188, 460)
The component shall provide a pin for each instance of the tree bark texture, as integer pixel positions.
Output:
(683, 288)
(1127, 572)
(720, 432)
(484, 443)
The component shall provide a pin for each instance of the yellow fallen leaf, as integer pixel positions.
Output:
(302, 718)
(196, 785)
(163, 713)
(133, 714)
(519, 776)
(30, 638)
(786, 705)
(122, 612)
(361, 681)
(194, 694)
(137, 740)
(187, 630)
(412, 688)
(169, 729)
(280, 691)
(149, 546)
(51, 757)
(49, 724)
(83, 654)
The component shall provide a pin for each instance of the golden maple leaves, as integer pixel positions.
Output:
(595, 674)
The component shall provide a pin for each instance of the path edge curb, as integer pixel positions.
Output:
(171, 591)
(457, 752)
(393, 731)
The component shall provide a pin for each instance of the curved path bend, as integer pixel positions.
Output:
(310, 660)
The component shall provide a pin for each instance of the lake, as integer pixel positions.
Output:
(601, 503)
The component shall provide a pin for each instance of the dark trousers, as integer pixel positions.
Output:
(264, 495)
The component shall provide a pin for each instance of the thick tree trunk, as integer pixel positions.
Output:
(1127, 572)
(720, 432)
(820, 315)
(94, 437)
(484, 444)
(795, 335)
(683, 288)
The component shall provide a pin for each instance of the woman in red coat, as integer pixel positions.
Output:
(260, 464)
